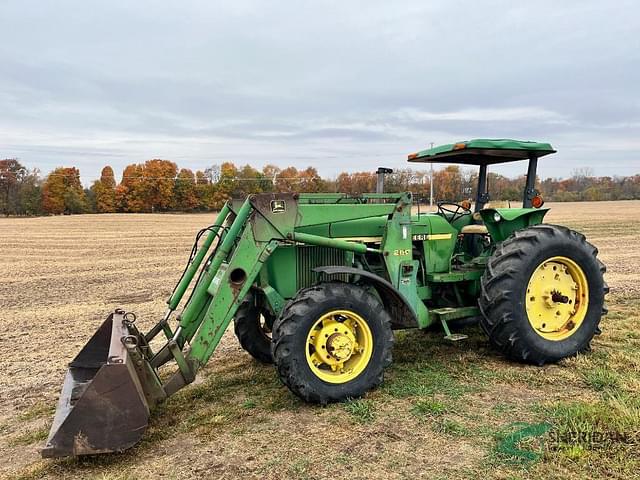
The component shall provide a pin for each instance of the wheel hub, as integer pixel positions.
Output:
(557, 298)
(340, 346)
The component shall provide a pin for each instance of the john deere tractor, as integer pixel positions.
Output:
(316, 284)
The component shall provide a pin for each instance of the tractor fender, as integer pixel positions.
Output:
(502, 222)
(402, 315)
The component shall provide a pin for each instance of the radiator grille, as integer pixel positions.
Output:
(310, 257)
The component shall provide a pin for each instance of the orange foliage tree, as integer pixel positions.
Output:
(447, 184)
(130, 192)
(62, 192)
(287, 180)
(148, 187)
(226, 183)
(105, 191)
(355, 183)
(159, 179)
(310, 181)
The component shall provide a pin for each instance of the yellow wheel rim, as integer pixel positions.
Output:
(557, 298)
(339, 346)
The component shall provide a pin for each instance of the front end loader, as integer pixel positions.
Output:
(316, 284)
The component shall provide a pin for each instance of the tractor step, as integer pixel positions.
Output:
(456, 337)
(453, 313)
(450, 313)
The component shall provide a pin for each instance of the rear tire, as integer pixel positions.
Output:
(252, 325)
(538, 273)
(305, 346)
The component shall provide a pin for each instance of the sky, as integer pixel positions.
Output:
(337, 85)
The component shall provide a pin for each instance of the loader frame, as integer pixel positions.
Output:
(247, 237)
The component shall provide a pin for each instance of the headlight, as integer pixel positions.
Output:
(496, 217)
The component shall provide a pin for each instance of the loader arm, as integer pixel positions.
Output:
(262, 224)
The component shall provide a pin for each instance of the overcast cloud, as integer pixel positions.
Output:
(339, 85)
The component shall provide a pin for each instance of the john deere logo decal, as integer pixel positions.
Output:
(278, 206)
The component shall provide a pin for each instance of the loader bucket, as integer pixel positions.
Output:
(103, 405)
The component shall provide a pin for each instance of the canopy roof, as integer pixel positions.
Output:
(483, 151)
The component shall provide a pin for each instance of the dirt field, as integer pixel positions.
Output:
(445, 410)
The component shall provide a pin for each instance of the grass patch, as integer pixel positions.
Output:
(601, 378)
(29, 437)
(231, 398)
(39, 410)
(361, 410)
(602, 437)
(501, 409)
(428, 408)
(451, 427)
(300, 468)
(614, 421)
(424, 380)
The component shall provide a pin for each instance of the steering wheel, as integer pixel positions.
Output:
(454, 209)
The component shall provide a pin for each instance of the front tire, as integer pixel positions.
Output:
(332, 342)
(542, 294)
(252, 325)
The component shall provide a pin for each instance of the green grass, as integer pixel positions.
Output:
(425, 379)
(29, 437)
(428, 408)
(601, 378)
(452, 428)
(299, 469)
(39, 410)
(602, 437)
(614, 420)
(361, 410)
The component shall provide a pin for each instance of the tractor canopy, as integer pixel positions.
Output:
(483, 152)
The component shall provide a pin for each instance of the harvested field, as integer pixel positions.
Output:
(445, 410)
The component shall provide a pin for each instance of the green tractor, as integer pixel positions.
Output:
(316, 284)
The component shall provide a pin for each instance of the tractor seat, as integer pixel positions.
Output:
(474, 228)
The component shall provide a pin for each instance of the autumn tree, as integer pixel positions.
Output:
(147, 187)
(159, 178)
(30, 194)
(288, 180)
(11, 173)
(249, 181)
(447, 184)
(184, 192)
(226, 183)
(62, 192)
(356, 183)
(105, 191)
(20, 191)
(129, 194)
(406, 180)
(203, 186)
(310, 181)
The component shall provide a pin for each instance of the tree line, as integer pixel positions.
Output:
(160, 186)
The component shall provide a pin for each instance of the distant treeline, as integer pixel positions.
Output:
(160, 186)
